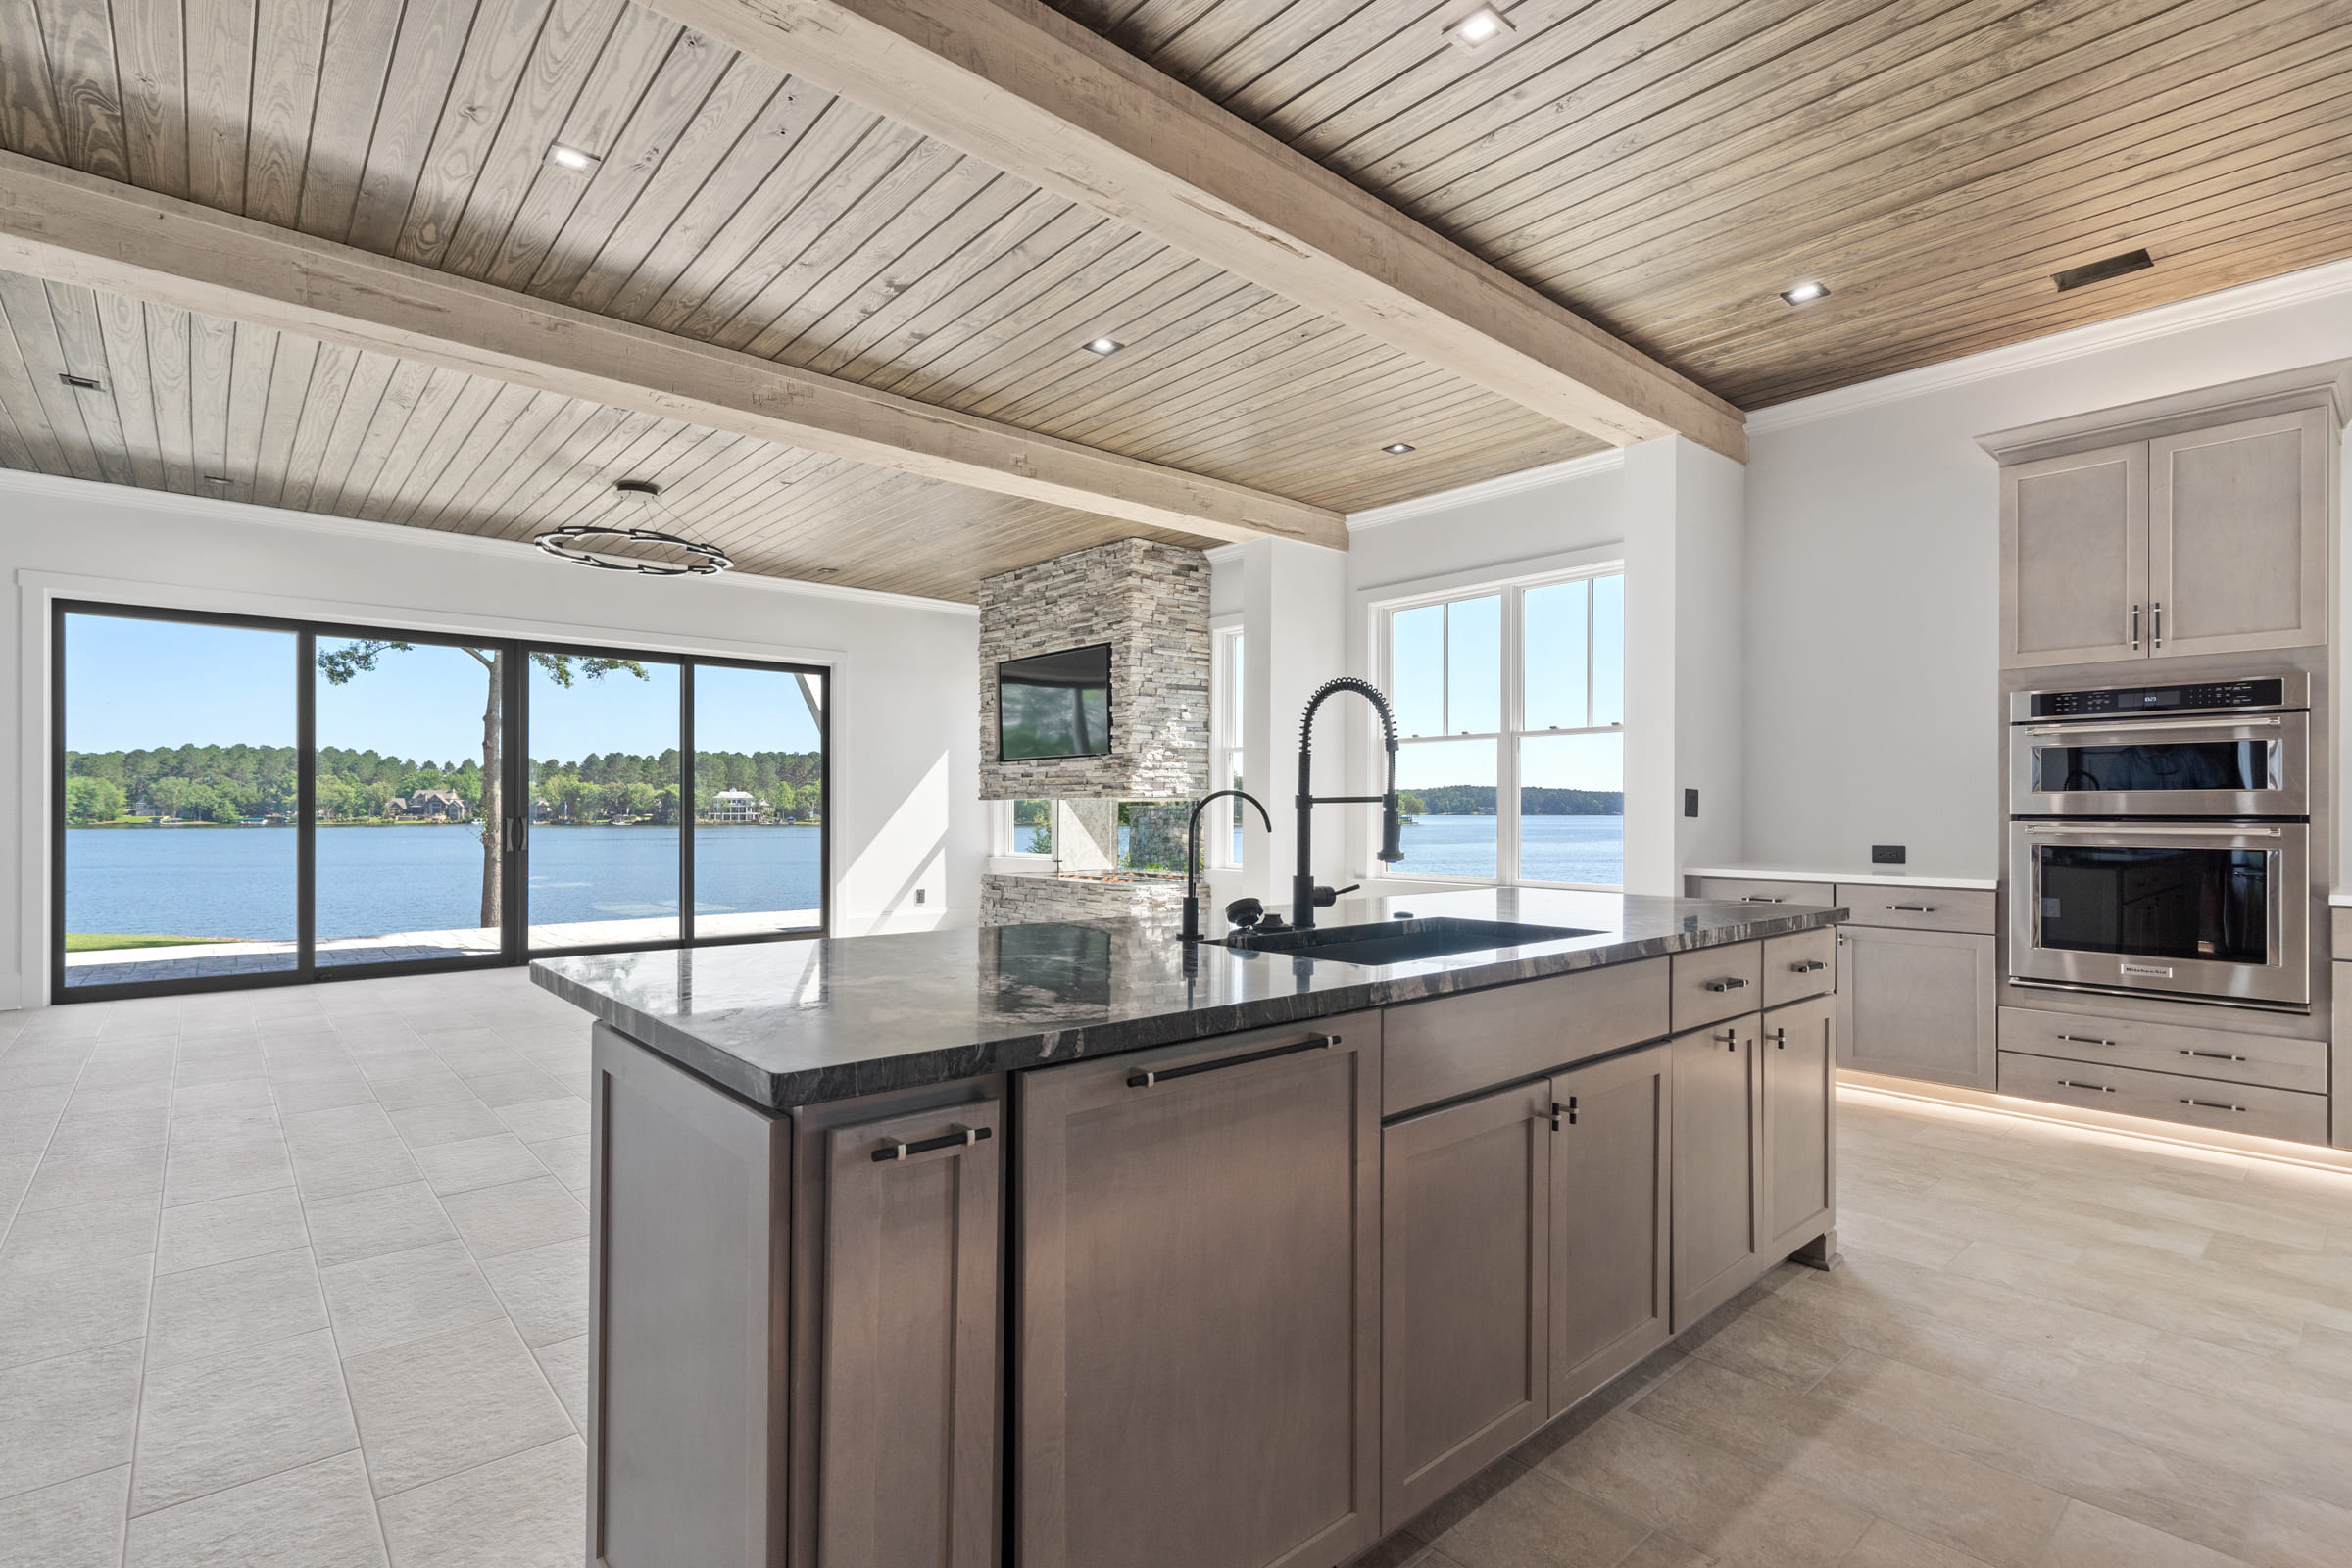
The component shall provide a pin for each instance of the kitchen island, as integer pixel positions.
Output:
(1065, 1247)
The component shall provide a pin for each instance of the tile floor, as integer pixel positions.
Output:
(298, 1278)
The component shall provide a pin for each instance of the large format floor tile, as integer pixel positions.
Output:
(277, 1225)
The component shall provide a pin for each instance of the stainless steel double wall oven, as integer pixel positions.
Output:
(2159, 838)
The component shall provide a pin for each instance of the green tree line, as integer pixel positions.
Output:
(1478, 799)
(225, 783)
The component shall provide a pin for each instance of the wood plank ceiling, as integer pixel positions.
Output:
(1664, 167)
(1669, 167)
(732, 205)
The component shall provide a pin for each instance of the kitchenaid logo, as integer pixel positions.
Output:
(2161, 971)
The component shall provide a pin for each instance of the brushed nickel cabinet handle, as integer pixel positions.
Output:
(1721, 986)
(895, 1150)
(2068, 1083)
(1145, 1080)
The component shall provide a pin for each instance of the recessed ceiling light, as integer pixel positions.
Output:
(571, 158)
(1397, 449)
(1806, 293)
(1105, 346)
(1478, 28)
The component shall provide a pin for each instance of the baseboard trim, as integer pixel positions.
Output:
(2312, 1156)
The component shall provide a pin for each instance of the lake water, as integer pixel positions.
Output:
(1551, 849)
(239, 882)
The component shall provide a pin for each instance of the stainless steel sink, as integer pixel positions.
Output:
(1403, 941)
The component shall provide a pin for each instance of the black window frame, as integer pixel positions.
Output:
(515, 947)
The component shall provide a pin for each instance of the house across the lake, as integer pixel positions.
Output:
(736, 805)
(426, 804)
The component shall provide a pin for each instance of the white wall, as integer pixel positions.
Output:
(905, 811)
(1873, 561)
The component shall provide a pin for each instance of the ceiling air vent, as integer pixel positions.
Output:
(2101, 271)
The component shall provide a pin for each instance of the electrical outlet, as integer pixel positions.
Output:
(1887, 854)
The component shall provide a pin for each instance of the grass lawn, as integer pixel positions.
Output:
(101, 941)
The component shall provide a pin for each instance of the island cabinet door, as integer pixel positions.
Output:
(1465, 1262)
(1611, 1218)
(1798, 1056)
(1197, 1355)
(1718, 1167)
(910, 1411)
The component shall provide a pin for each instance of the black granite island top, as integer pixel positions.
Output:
(790, 1023)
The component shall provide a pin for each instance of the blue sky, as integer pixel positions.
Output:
(145, 683)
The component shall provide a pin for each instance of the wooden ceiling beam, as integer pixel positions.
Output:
(71, 227)
(1018, 84)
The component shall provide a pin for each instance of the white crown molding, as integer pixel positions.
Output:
(2162, 320)
(218, 508)
(1484, 490)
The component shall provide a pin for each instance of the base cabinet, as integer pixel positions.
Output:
(1798, 1055)
(1467, 1253)
(1612, 1152)
(1718, 1167)
(1918, 1004)
(1198, 1339)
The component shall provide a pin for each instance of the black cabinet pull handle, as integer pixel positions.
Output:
(1913, 908)
(2210, 1104)
(962, 1135)
(2068, 1083)
(2213, 1055)
(2086, 1040)
(1145, 1080)
(1732, 984)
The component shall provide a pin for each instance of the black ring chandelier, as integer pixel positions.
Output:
(577, 542)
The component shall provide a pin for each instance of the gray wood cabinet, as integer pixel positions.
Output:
(1718, 1163)
(1466, 1270)
(2237, 536)
(685, 1432)
(908, 1404)
(1796, 1053)
(1612, 1156)
(2179, 527)
(2073, 558)
(1197, 1346)
(1917, 1004)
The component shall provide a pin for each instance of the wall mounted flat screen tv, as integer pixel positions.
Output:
(1054, 705)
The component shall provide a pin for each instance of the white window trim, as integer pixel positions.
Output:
(1224, 738)
(1378, 605)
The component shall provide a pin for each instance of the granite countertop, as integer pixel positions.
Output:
(789, 1024)
(1876, 877)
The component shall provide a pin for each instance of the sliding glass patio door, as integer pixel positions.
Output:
(240, 801)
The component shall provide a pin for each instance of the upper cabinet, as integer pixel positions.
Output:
(2193, 525)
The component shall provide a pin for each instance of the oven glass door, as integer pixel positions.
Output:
(2211, 909)
(2229, 767)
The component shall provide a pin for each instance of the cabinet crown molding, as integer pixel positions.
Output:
(2328, 385)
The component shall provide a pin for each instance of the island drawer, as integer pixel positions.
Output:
(1758, 890)
(1799, 966)
(1919, 908)
(2226, 1055)
(1449, 1047)
(1712, 984)
(2168, 1097)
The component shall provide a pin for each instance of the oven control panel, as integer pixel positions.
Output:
(2118, 700)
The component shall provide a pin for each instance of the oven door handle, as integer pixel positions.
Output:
(2136, 829)
(2157, 724)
